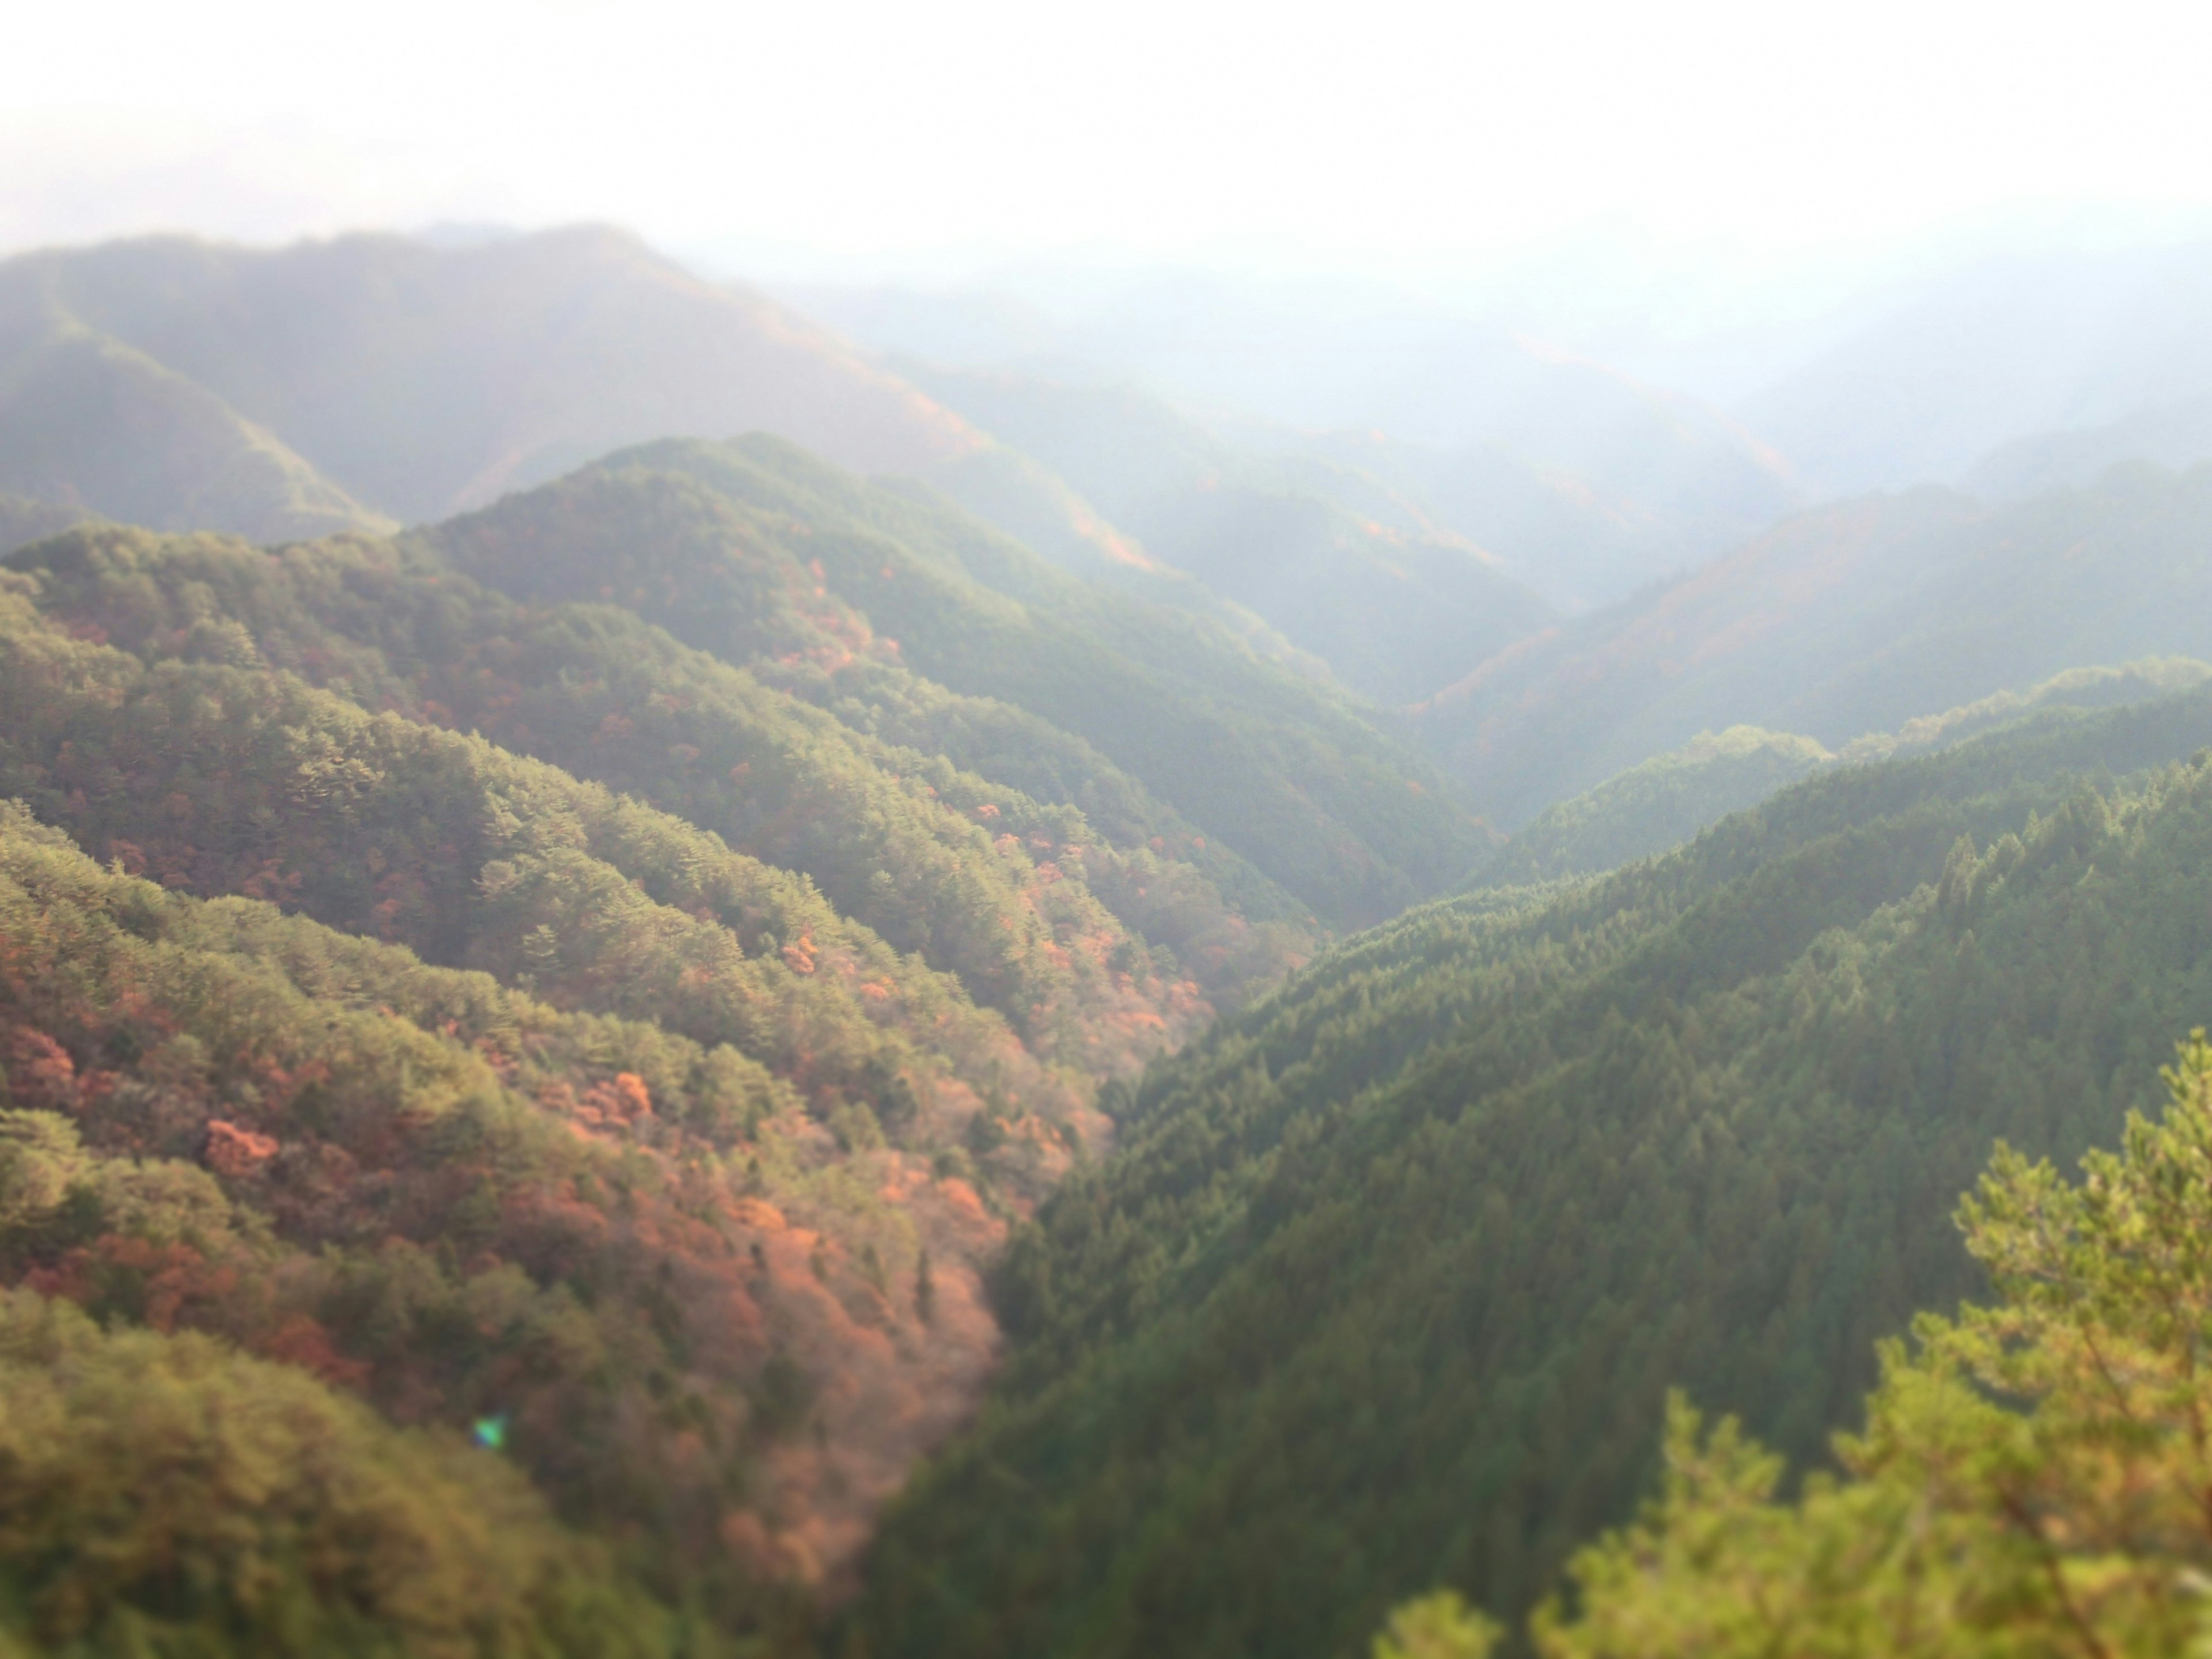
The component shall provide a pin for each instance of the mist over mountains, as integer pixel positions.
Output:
(1112, 968)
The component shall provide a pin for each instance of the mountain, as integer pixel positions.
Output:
(1577, 544)
(1390, 1275)
(1852, 619)
(221, 388)
(88, 423)
(1473, 408)
(1668, 798)
(2175, 435)
(1394, 605)
(545, 965)
(1652, 807)
(1998, 352)
(849, 594)
(422, 968)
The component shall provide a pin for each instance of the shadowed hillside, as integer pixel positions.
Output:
(1388, 1277)
(1852, 619)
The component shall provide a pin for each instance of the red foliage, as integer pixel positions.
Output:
(301, 1341)
(41, 1073)
(234, 1151)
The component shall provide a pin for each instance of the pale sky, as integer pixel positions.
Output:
(835, 135)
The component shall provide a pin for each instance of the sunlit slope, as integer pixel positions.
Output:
(1852, 619)
(900, 841)
(459, 1205)
(422, 380)
(1396, 608)
(626, 1059)
(785, 1011)
(1332, 359)
(1384, 1285)
(863, 598)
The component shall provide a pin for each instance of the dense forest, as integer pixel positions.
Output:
(1155, 1023)
(2029, 1479)
(490, 999)
(1493, 1177)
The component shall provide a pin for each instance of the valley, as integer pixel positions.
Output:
(805, 971)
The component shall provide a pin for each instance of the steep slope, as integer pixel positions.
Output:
(607, 697)
(89, 423)
(1396, 607)
(849, 594)
(452, 1202)
(1670, 798)
(712, 1097)
(1386, 1282)
(423, 379)
(1850, 620)
(311, 1525)
(659, 1159)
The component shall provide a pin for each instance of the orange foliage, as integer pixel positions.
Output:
(234, 1151)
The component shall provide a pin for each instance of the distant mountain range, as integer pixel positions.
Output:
(1607, 483)
(1847, 620)
(372, 377)
(373, 380)
(2107, 355)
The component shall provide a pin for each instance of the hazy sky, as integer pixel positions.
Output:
(828, 136)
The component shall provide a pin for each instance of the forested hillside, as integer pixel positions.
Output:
(2029, 1480)
(1666, 799)
(1852, 619)
(1387, 1281)
(669, 990)
(1344, 568)
(841, 1108)
(1652, 807)
(826, 990)
(876, 604)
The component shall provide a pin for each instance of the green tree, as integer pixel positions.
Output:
(2035, 1476)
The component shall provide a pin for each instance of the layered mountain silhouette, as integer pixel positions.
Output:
(1343, 567)
(1848, 620)
(278, 392)
(1647, 479)
(2003, 351)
